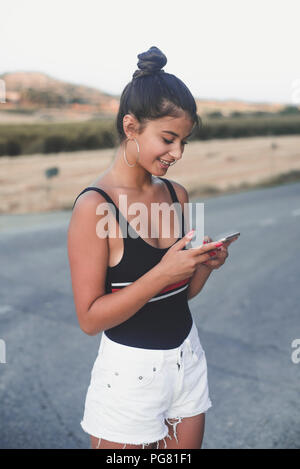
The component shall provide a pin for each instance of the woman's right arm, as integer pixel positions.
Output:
(88, 258)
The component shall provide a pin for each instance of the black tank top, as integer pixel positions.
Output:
(165, 320)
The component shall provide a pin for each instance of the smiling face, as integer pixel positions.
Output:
(162, 139)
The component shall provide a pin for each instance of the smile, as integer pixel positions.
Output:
(165, 163)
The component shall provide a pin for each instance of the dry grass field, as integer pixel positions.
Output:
(206, 168)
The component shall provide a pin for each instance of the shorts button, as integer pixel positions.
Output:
(140, 377)
(116, 373)
(181, 353)
(108, 385)
(154, 369)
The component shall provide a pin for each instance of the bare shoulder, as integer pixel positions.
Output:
(86, 204)
(84, 218)
(88, 199)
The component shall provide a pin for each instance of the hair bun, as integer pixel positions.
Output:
(150, 62)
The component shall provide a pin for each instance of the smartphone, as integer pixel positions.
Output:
(229, 237)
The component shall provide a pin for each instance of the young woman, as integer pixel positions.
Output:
(150, 374)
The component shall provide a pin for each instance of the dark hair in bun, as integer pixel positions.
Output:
(153, 93)
(150, 62)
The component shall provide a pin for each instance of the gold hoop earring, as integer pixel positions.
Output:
(125, 158)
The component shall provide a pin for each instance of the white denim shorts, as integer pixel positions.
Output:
(133, 390)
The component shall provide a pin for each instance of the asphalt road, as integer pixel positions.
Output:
(247, 315)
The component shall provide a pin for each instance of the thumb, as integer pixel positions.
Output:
(184, 241)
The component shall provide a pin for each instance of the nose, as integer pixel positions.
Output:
(176, 154)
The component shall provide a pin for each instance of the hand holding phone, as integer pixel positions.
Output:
(230, 238)
(227, 240)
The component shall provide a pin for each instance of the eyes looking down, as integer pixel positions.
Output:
(170, 134)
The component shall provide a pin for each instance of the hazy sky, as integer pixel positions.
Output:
(221, 49)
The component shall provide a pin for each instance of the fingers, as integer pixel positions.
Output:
(231, 241)
(227, 243)
(213, 264)
(183, 241)
(214, 258)
(218, 257)
(206, 247)
(208, 256)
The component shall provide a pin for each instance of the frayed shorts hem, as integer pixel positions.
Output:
(201, 411)
(116, 438)
(135, 440)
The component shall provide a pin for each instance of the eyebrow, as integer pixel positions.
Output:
(176, 135)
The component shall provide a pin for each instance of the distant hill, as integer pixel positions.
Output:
(36, 96)
(35, 90)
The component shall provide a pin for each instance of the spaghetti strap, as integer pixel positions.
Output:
(174, 199)
(119, 214)
(171, 189)
(101, 191)
(109, 199)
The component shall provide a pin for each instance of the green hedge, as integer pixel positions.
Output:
(235, 127)
(20, 139)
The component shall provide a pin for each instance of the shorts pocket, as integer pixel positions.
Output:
(123, 375)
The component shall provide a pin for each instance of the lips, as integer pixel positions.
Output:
(168, 162)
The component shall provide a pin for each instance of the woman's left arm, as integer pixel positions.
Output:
(201, 275)
(203, 270)
(198, 280)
